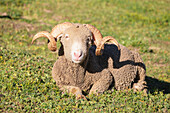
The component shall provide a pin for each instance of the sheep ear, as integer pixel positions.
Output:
(92, 41)
(61, 50)
(59, 37)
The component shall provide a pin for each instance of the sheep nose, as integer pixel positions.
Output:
(77, 54)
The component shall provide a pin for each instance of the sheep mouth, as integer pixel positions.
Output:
(78, 60)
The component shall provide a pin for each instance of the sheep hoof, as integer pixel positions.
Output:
(140, 86)
(81, 97)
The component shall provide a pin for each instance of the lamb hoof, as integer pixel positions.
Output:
(140, 86)
(81, 97)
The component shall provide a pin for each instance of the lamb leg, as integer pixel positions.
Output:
(141, 84)
(103, 83)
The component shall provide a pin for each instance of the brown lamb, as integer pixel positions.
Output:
(87, 63)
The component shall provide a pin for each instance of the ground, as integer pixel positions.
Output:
(26, 84)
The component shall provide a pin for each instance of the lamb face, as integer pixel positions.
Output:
(76, 42)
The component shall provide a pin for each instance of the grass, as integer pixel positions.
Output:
(26, 84)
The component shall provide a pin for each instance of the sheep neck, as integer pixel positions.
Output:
(76, 71)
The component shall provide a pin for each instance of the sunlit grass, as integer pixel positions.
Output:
(26, 84)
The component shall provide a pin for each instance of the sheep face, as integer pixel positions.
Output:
(76, 42)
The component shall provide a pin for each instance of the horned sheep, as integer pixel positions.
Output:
(87, 63)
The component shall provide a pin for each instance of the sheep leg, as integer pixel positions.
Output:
(103, 83)
(141, 85)
(74, 90)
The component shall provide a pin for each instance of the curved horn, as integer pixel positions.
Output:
(52, 44)
(105, 39)
(97, 36)
(58, 29)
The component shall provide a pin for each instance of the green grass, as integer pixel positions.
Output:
(26, 84)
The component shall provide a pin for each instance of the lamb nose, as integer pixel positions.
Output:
(77, 54)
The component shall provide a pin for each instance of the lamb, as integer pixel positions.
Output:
(87, 63)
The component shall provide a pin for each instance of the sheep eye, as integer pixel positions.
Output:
(67, 36)
(88, 40)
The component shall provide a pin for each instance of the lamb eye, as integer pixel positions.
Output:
(88, 40)
(67, 36)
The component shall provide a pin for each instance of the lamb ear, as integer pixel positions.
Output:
(58, 37)
(61, 50)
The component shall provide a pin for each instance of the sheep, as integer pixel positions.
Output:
(87, 63)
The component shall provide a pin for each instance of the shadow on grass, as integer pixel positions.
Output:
(157, 85)
(19, 18)
(6, 16)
